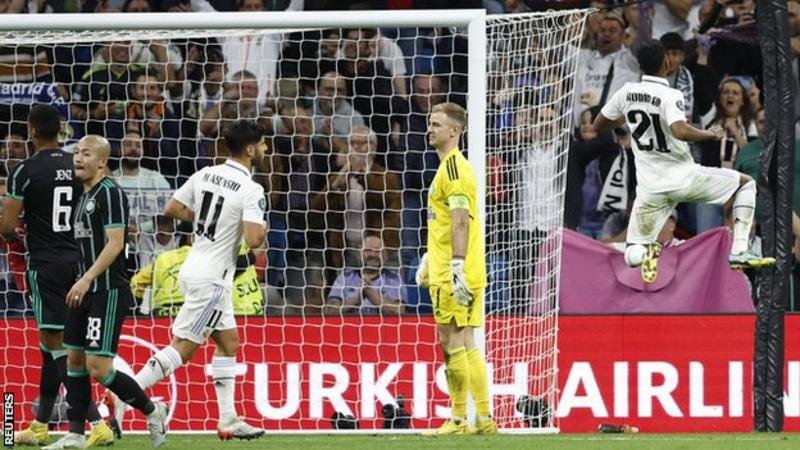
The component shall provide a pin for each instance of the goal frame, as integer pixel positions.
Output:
(473, 20)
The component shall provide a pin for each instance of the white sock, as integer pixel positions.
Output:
(158, 367)
(744, 205)
(223, 370)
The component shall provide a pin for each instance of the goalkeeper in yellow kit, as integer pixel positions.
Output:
(454, 270)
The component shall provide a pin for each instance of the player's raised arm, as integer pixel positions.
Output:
(673, 110)
(177, 210)
(688, 133)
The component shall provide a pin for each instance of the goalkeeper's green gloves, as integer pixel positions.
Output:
(421, 277)
(461, 291)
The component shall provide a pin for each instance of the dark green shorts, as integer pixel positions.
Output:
(48, 287)
(94, 326)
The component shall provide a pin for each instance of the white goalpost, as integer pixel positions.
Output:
(163, 87)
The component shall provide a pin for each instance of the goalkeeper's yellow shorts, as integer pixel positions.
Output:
(445, 307)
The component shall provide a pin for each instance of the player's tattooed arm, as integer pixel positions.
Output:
(178, 210)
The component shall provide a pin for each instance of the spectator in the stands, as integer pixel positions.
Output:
(13, 151)
(101, 95)
(417, 160)
(367, 287)
(302, 175)
(153, 117)
(669, 16)
(361, 197)
(369, 82)
(191, 97)
(588, 146)
(371, 44)
(605, 68)
(239, 101)
(679, 76)
(136, 6)
(259, 53)
(748, 159)
(421, 161)
(334, 116)
(734, 50)
(161, 59)
(731, 111)
(131, 175)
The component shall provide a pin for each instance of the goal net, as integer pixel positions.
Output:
(334, 332)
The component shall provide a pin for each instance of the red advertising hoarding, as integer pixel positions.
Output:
(660, 373)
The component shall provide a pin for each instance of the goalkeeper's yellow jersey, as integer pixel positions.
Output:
(454, 178)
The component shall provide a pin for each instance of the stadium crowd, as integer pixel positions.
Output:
(345, 110)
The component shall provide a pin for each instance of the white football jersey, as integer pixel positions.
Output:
(221, 197)
(663, 162)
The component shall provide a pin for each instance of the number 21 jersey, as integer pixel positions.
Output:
(221, 197)
(45, 185)
(663, 162)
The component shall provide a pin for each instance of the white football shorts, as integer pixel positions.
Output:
(207, 307)
(712, 185)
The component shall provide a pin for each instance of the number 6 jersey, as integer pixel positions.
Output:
(222, 197)
(44, 183)
(663, 162)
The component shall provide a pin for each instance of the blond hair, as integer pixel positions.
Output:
(453, 111)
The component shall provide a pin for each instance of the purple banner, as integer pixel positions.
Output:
(693, 277)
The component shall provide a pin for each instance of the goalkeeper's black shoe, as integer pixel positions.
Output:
(650, 263)
(748, 260)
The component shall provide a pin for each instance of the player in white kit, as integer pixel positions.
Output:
(226, 206)
(665, 170)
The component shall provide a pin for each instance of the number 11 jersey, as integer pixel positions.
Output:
(46, 186)
(221, 197)
(663, 162)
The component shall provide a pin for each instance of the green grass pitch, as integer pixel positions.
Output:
(728, 441)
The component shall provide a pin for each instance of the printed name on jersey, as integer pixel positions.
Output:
(63, 175)
(452, 169)
(219, 180)
(641, 97)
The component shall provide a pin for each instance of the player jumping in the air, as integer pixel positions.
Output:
(666, 172)
(454, 269)
(225, 205)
